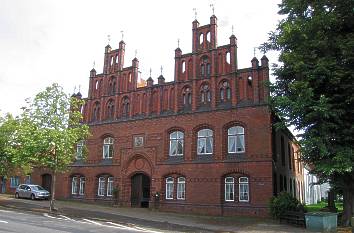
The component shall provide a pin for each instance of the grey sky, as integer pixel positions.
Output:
(44, 41)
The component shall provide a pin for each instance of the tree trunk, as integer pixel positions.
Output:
(348, 206)
(52, 199)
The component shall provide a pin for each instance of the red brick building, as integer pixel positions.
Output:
(202, 143)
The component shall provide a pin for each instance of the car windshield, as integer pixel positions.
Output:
(37, 187)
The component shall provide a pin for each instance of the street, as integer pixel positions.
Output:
(17, 221)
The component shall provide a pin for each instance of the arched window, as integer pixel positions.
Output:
(74, 185)
(169, 188)
(96, 85)
(208, 70)
(236, 139)
(225, 92)
(243, 189)
(228, 58)
(110, 110)
(208, 37)
(101, 186)
(82, 186)
(181, 188)
(79, 149)
(205, 96)
(176, 143)
(229, 189)
(187, 97)
(108, 148)
(201, 38)
(109, 186)
(183, 66)
(96, 112)
(202, 70)
(126, 106)
(205, 142)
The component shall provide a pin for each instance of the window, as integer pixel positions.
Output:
(126, 106)
(169, 188)
(14, 181)
(229, 189)
(28, 179)
(74, 185)
(176, 143)
(108, 148)
(79, 149)
(109, 186)
(205, 94)
(101, 186)
(82, 186)
(183, 66)
(236, 139)
(228, 58)
(205, 142)
(282, 151)
(96, 112)
(225, 92)
(187, 97)
(289, 155)
(110, 110)
(243, 189)
(181, 188)
(208, 70)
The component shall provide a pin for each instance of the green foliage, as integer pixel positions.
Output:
(283, 202)
(315, 81)
(50, 128)
(317, 207)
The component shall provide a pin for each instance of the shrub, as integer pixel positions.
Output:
(283, 202)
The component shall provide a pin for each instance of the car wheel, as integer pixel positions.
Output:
(17, 196)
(33, 197)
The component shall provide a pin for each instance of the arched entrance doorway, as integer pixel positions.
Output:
(47, 182)
(140, 190)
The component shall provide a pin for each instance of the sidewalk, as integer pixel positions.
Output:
(164, 220)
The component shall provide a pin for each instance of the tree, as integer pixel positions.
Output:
(51, 126)
(314, 86)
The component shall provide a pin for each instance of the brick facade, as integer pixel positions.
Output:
(209, 91)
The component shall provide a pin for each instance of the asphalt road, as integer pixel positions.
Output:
(17, 221)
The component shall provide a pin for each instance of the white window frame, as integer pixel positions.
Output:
(176, 137)
(74, 185)
(204, 139)
(239, 134)
(110, 186)
(245, 183)
(82, 182)
(229, 188)
(108, 145)
(79, 149)
(101, 186)
(169, 188)
(181, 188)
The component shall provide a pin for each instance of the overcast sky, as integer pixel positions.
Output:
(46, 41)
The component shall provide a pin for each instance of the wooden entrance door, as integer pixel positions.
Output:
(47, 182)
(140, 190)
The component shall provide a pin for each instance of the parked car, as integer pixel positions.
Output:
(32, 191)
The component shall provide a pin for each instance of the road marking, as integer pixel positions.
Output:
(3, 221)
(67, 218)
(135, 228)
(49, 216)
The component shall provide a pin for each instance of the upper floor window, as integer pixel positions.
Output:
(79, 149)
(205, 68)
(205, 141)
(126, 106)
(236, 139)
(169, 188)
(96, 112)
(181, 188)
(229, 189)
(243, 189)
(187, 97)
(205, 96)
(110, 110)
(225, 92)
(176, 143)
(108, 148)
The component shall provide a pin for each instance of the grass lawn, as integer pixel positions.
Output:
(322, 204)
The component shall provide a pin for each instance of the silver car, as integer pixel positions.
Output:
(31, 191)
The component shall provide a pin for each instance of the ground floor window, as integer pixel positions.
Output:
(78, 185)
(74, 185)
(14, 181)
(169, 188)
(82, 186)
(231, 185)
(181, 188)
(105, 186)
